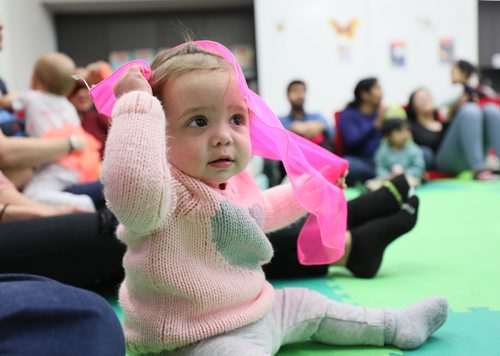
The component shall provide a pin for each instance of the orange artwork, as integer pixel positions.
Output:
(348, 30)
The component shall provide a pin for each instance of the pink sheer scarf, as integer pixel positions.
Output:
(312, 170)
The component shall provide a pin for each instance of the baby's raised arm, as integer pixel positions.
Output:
(135, 171)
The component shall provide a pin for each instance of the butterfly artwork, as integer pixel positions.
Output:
(348, 30)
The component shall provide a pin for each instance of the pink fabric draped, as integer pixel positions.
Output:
(312, 170)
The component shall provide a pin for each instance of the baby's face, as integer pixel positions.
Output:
(207, 125)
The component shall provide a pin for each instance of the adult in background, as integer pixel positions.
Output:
(310, 125)
(457, 142)
(359, 126)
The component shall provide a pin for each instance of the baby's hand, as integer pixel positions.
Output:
(397, 169)
(341, 182)
(133, 79)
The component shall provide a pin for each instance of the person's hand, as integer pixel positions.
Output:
(328, 172)
(341, 182)
(464, 98)
(76, 144)
(397, 170)
(133, 79)
(380, 117)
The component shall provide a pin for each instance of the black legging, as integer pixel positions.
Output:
(72, 249)
(285, 263)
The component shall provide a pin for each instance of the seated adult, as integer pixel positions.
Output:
(374, 220)
(313, 126)
(19, 156)
(359, 126)
(81, 249)
(456, 142)
(65, 244)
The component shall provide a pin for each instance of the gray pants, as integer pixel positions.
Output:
(297, 315)
(471, 134)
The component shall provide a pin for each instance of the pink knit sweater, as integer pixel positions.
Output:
(194, 253)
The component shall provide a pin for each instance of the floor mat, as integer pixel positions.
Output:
(453, 251)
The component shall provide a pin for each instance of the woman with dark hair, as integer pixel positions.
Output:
(360, 129)
(457, 142)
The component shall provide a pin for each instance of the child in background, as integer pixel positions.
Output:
(462, 73)
(49, 114)
(397, 154)
(194, 220)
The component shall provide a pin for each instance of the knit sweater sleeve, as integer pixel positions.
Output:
(281, 208)
(135, 172)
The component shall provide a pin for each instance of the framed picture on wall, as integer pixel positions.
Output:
(398, 54)
(245, 55)
(446, 50)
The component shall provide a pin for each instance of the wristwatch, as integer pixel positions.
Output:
(74, 143)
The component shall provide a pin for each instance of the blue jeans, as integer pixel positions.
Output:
(472, 132)
(360, 169)
(428, 157)
(39, 316)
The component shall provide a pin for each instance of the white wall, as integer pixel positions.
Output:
(295, 40)
(28, 32)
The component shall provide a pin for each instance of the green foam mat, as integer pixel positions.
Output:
(453, 251)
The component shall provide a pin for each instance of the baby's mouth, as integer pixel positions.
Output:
(222, 162)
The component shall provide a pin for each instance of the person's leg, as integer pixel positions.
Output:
(47, 186)
(302, 314)
(299, 314)
(373, 206)
(77, 249)
(255, 339)
(285, 263)
(428, 157)
(382, 202)
(360, 169)
(369, 241)
(94, 190)
(491, 114)
(462, 146)
(39, 316)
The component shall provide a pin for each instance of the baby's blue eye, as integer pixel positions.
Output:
(198, 122)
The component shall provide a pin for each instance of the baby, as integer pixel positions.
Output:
(194, 221)
(49, 114)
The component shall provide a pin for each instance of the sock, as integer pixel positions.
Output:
(370, 239)
(382, 202)
(408, 328)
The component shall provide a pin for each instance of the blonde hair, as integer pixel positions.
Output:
(53, 71)
(176, 61)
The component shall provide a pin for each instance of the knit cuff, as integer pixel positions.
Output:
(137, 102)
